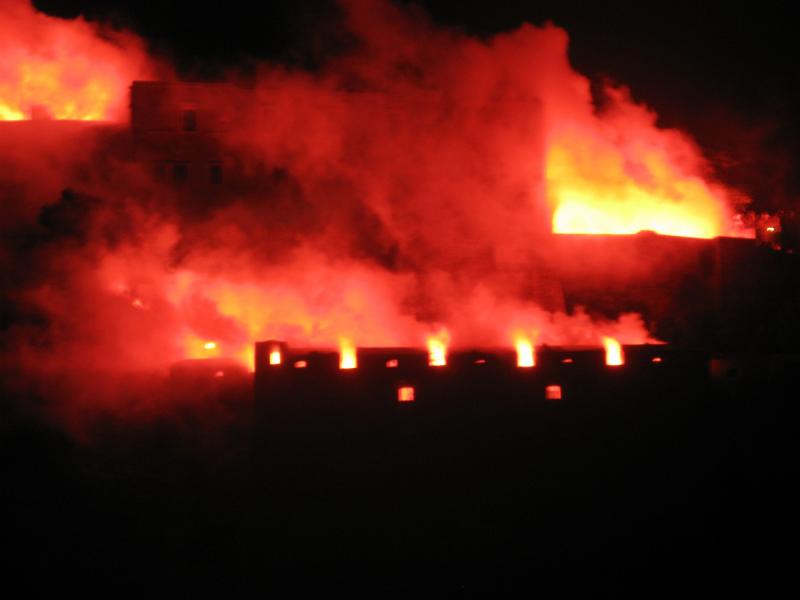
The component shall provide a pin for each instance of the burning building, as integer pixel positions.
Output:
(436, 189)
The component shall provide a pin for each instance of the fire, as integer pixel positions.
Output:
(614, 356)
(275, 357)
(347, 354)
(64, 69)
(197, 347)
(597, 196)
(437, 349)
(619, 173)
(525, 352)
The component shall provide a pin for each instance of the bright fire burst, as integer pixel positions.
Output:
(525, 353)
(437, 349)
(614, 356)
(620, 173)
(602, 198)
(347, 354)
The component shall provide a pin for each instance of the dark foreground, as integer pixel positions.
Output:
(680, 484)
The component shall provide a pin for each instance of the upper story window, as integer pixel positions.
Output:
(215, 173)
(180, 172)
(189, 119)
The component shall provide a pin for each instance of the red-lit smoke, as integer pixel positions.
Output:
(413, 184)
(54, 68)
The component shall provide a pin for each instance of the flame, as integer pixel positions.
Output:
(275, 357)
(604, 199)
(437, 349)
(525, 353)
(347, 354)
(64, 69)
(619, 173)
(614, 356)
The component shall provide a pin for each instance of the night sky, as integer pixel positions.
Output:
(727, 76)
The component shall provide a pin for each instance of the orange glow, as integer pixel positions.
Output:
(525, 352)
(275, 357)
(246, 356)
(347, 354)
(405, 393)
(300, 364)
(392, 363)
(437, 349)
(614, 356)
(552, 392)
(210, 345)
(64, 69)
(657, 359)
(567, 361)
(622, 174)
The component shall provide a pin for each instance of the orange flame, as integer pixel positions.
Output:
(622, 174)
(347, 354)
(275, 356)
(437, 349)
(526, 356)
(614, 356)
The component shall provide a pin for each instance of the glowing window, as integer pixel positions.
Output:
(392, 363)
(405, 393)
(300, 364)
(275, 357)
(552, 392)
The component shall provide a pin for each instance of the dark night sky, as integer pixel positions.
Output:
(727, 76)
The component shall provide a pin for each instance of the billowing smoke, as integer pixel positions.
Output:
(53, 69)
(411, 184)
